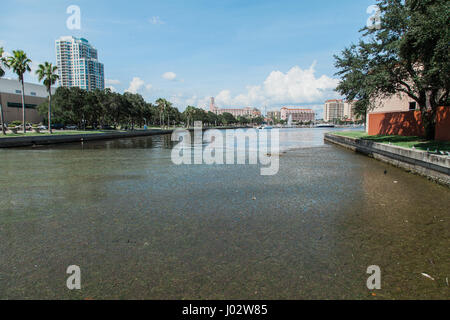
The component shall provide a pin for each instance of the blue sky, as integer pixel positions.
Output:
(258, 53)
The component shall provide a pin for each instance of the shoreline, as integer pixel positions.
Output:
(434, 167)
(15, 142)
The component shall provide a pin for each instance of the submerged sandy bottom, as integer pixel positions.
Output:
(142, 228)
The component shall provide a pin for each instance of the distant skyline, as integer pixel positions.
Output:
(243, 53)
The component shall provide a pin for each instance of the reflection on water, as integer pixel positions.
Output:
(141, 227)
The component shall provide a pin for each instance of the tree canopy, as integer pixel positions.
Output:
(99, 108)
(47, 73)
(408, 52)
(19, 63)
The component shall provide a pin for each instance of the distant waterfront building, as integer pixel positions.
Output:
(78, 64)
(274, 115)
(338, 109)
(349, 111)
(11, 100)
(297, 114)
(247, 112)
(334, 110)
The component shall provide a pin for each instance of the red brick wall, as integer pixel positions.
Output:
(408, 123)
(443, 124)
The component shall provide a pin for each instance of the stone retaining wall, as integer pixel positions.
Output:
(433, 166)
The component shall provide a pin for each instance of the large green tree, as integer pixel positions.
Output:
(212, 118)
(104, 107)
(92, 109)
(188, 115)
(408, 52)
(149, 113)
(115, 108)
(47, 73)
(20, 64)
(137, 108)
(227, 118)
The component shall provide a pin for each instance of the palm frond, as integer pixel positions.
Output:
(19, 63)
(47, 73)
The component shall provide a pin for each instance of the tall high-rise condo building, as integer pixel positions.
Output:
(78, 64)
(339, 109)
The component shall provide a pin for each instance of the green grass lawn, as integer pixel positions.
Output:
(351, 134)
(401, 141)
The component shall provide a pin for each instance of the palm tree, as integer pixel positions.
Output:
(189, 112)
(47, 72)
(162, 104)
(20, 64)
(2, 73)
(159, 106)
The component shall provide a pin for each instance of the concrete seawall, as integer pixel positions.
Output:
(56, 139)
(435, 167)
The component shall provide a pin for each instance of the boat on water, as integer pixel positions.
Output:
(325, 125)
(265, 127)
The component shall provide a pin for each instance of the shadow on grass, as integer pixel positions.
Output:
(434, 145)
(412, 141)
(393, 139)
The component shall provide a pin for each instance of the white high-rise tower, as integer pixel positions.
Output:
(78, 64)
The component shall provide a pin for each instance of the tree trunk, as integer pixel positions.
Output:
(1, 119)
(428, 115)
(50, 111)
(164, 120)
(429, 122)
(23, 107)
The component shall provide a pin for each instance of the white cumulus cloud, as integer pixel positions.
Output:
(223, 98)
(169, 76)
(135, 84)
(297, 86)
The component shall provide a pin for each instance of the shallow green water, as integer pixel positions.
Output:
(142, 228)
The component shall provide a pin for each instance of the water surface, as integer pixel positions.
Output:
(141, 227)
